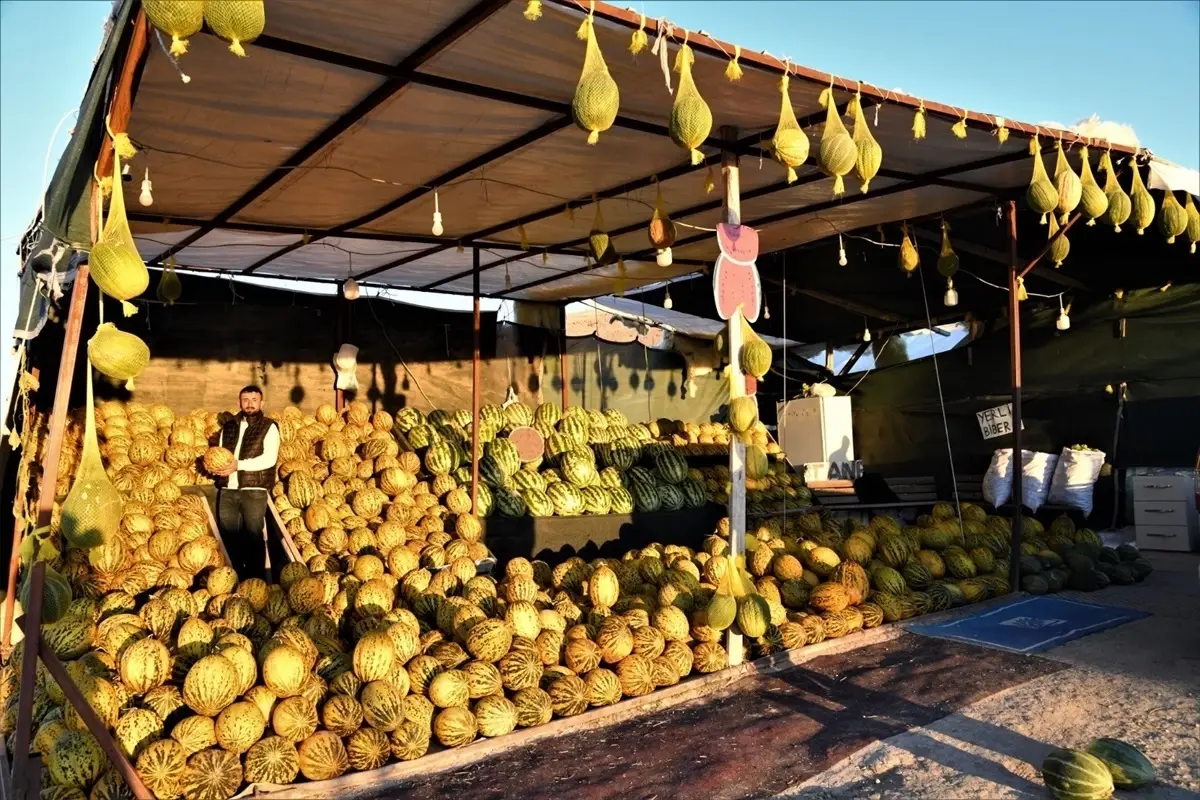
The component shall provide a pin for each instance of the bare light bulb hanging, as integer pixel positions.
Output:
(667, 301)
(350, 289)
(1063, 323)
(663, 257)
(766, 312)
(146, 198)
(951, 298)
(507, 280)
(841, 252)
(866, 331)
(438, 230)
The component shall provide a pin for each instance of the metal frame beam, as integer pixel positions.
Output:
(380, 95)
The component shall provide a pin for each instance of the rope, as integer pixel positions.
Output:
(403, 363)
(937, 372)
(778, 427)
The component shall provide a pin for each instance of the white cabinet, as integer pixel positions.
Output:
(817, 429)
(1164, 508)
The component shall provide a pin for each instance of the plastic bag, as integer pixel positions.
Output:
(1036, 469)
(1074, 478)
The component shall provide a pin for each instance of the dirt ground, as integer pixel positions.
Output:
(1139, 682)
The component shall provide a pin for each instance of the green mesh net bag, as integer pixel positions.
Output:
(870, 154)
(1119, 205)
(91, 514)
(117, 354)
(691, 118)
(790, 144)
(169, 288)
(236, 21)
(177, 18)
(114, 262)
(597, 98)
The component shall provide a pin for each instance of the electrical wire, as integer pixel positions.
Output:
(942, 404)
(400, 358)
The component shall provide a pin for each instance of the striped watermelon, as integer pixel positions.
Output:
(567, 499)
(1129, 768)
(508, 503)
(578, 468)
(408, 418)
(492, 415)
(524, 479)
(1076, 775)
(694, 495)
(622, 500)
(670, 497)
(574, 428)
(491, 472)
(440, 458)
(610, 478)
(616, 419)
(547, 414)
(596, 500)
(518, 414)
(505, 454)
(644, 489)
(671, 467)
(538, 502)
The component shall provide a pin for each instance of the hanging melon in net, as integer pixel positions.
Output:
(169, 287)
(1070, 188)
(1092, 201)
(597, 98)
(1119, 204)
(117, 354)
(1141, 201)
(662, 230)
(177, 18)
(790, 144)
(1041, 195)
(691, 118)
(91, 514)
(114, 262)
(909, 260)
(870, 154)
(837, 154)
(600, 245)
(236, 21)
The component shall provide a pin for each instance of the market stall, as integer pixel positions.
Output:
(536, 181)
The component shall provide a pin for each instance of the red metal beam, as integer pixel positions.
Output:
(475, 324)
(1014, 347)
(476, 15)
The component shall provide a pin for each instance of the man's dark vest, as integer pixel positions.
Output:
(252, 446)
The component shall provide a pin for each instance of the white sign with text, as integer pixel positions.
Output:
(996, 422)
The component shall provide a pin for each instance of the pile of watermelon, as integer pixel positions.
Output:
(1068, 558)
(1093, 774)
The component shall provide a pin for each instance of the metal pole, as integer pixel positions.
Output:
(562, 356)
(731, 214)
(475, 384)
(58, 419)
(1014, 346)
(339, 395)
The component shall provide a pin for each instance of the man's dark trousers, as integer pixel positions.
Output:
(241, 514)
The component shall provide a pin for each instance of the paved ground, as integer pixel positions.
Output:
(1139, 682)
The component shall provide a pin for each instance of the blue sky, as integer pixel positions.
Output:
(1134, 63)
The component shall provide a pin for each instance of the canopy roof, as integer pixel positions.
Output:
(320, 155)
(597, 317)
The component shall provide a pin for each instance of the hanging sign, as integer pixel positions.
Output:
(735, 276)
(996, 422)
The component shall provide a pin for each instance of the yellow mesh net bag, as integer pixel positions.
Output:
(1118, 202)
(790, 144)
(597, 98)
(114, 262)
(236, 21)
(1042, 196)
(1070, 188)
(91, 514)
(691, 118)
(169, 287)
(117, 354)
(177, 18)
(599, 243)
(870, 154)
(662, 230)
(837, 154)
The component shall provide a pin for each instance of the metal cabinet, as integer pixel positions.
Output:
(1164, 509)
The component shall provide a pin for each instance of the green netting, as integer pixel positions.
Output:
(91, 514)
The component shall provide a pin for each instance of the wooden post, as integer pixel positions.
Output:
(35, 647)
(731, 213)
(1014, 345)
(562, 357)
(475, 382)
(31, 623)
(58, 418)
(339, 302)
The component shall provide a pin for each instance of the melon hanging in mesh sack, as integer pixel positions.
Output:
(169, 287)
(870, 154)
(114, 261)
(91, 514)
(1041, 195)
(1118, 202)
(790, 144)
(662, 230)
(837, 154)
(1141, 201)
(236, 21)
(177, 18)
(601, 245)
(117, 354)
(1070, 188)
(1092, 200)
(597, 98)
(691, 118)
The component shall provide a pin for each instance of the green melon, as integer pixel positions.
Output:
(1076, 775)
(1128, 767)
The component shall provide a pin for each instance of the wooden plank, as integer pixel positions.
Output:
(289, 544)
(215, 529)
(31, 622)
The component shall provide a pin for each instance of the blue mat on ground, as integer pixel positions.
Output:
(1031, 624)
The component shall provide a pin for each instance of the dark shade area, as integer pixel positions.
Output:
(756, 738)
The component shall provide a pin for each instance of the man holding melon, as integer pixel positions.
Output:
(244, 482)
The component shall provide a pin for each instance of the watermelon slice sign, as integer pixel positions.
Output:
(529, 443)
(735, 276)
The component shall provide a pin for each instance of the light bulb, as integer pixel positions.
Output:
(350, 289)
(841, 252)
(951, 298)
(146, 198)
(507, 280)
(866, 334)
(1064, 321)
(663, 257)
(766, 312)
(438, 230)
(667, 301)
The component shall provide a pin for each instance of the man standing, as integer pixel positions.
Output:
(243, 488)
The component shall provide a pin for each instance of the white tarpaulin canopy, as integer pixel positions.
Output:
(595, 317)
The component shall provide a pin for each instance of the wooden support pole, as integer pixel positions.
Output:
(31, 623)
(731, 214)
(1014, 344)
(58, 419)
(475, 383)
(562, 357)
(339, 302)
(36, 647)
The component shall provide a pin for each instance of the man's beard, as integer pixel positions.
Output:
(252, 414)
